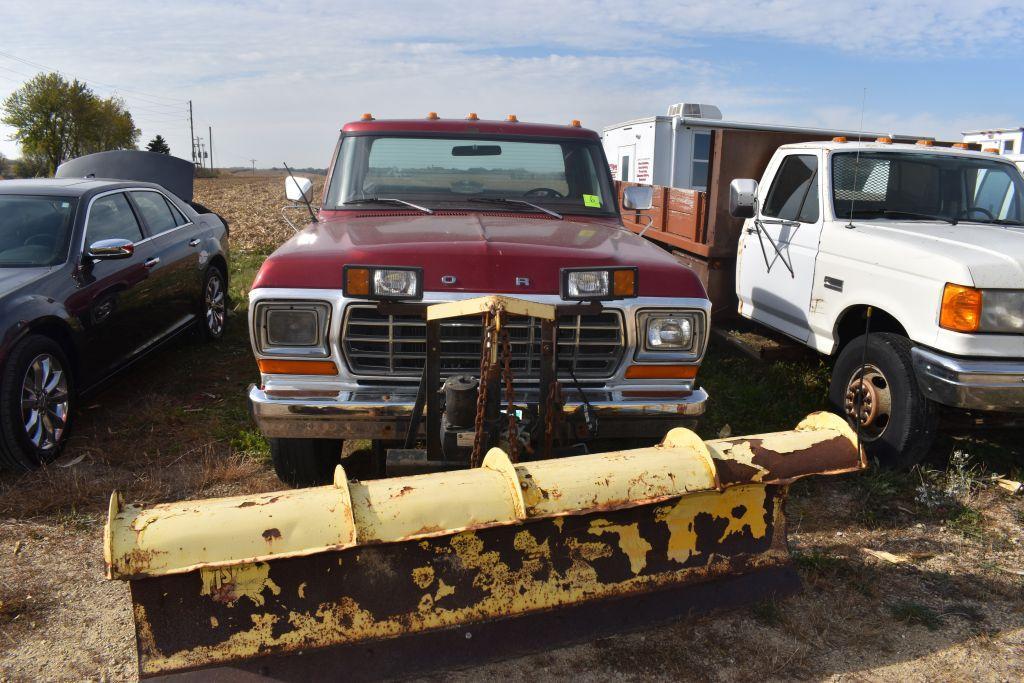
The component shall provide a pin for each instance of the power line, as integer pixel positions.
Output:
(139, 93)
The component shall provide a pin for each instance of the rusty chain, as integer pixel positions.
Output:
(481, 397)
(552, 397)
(513, 430)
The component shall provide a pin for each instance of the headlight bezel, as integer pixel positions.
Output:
(630, 275)
(692, 353)
(980, 314)
(320, 348)
(349, 270)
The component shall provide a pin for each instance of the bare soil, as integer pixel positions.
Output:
(950, 608)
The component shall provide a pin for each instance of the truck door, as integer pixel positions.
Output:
(778, 248)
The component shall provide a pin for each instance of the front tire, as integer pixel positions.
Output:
(36, 403)
(878, 388)
(305, 462)
(214, 310)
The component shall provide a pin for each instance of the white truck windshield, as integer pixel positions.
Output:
(564, 176)
(918, 186)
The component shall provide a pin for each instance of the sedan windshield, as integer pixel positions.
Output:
(34, 230)
(563, 176)
(923, 187)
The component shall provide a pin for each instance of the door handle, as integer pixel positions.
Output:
(150, 262)
(194, 242)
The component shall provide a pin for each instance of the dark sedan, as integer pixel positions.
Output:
(93, 274)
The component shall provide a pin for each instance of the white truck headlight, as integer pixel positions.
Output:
(1002, 310)
(664, 333)
(292, 328)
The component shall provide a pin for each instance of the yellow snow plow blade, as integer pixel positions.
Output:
(217, 581)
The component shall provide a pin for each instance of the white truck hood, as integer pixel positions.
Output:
(993, 254)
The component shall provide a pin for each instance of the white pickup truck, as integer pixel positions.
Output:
(903, 262)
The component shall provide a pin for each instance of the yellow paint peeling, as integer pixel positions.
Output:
(230, 584)
(423, 576)
(630, 542)
(302, 590)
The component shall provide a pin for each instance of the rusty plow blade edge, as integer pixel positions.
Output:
(221, 580)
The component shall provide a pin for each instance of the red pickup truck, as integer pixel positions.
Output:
(430, 210)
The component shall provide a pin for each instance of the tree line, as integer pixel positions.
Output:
(55, 120)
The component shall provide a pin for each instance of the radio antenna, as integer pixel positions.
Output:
(856, 162)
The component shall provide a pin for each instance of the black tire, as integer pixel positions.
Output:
(213, 305)
(906, 435)
(18, 451)
(305, 462)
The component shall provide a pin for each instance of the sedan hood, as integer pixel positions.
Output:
(483, 252)
(991, 255)
(14, 278)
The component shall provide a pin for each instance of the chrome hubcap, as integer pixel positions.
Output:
(215, 305)
(44, 401)
(868, 401)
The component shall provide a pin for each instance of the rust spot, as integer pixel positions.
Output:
(401, 492)
(271, 534)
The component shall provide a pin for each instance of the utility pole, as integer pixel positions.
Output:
(211, 147)
(192, 131)
(253, 166)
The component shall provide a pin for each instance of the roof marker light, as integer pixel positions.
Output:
(839, 138)
(885, 140)
(960, 145)
(991, 150)
(432, 116)
(366, 117)
(472, 116)
(924, 143)
(511, 118)
(575, 123)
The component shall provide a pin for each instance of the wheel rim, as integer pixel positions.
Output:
(45, 402)
(868, 401)
(215, 308)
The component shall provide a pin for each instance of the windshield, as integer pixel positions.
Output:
(563, 176)
(34, 230)
(916, 186)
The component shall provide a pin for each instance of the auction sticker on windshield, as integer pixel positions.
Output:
(592, 200)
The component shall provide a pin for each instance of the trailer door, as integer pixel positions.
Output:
(626, 155)
(778, 248)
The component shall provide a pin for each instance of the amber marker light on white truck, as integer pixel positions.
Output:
(961, 308)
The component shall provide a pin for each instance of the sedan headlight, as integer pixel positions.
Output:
(663, 333)
(966, 309)
(383, 282)
(292, 328)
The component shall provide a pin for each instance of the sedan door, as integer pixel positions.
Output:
(174, 279)
(111, 302)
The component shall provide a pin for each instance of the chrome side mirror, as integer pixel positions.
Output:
(743, 198)
(116, 248)
(638, 197)
(298, 189)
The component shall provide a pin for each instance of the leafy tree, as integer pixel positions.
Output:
(55, 120)
(158, 145)
(3, 165)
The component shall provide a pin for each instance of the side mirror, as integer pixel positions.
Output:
(106, 250)
(638, 197)
(298, 189)
(743, 198)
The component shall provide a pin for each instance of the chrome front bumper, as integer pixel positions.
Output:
(975, 384)
(383, 412)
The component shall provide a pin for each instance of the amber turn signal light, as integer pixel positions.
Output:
(271, 366)
(624, 282)
(661, 372)
(357, 282)
(961, 308)
(884, 140)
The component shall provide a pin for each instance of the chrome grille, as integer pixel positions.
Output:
(395, 345)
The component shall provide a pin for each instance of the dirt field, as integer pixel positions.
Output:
(951, 606)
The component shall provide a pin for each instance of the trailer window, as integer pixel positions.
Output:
(701, 160)
(794, 192)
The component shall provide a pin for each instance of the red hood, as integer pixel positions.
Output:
(485, 252)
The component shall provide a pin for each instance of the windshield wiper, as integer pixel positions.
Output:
(886, 213)
(523, 202)
(388, 200)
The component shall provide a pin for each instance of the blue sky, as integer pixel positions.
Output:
(276, 79)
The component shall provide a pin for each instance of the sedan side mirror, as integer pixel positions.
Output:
(111, 249)
(298, 189)
(638, 197)
(743, 198)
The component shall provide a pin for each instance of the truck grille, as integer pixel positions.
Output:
(395, 345)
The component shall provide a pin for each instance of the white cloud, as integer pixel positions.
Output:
(276, 79)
